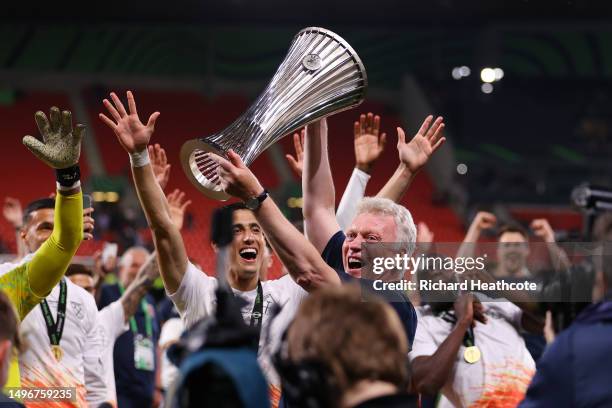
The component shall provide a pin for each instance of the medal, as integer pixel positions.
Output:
(57, 351)
(471, 354)
(56, 328)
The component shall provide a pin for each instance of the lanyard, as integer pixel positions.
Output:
(468, 339)
(148, 317)
(257, 313)
(55, 329)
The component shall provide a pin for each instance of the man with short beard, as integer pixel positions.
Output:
(191, 290)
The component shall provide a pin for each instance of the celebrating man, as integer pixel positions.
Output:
(28, 283)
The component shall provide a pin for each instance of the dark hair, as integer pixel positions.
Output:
(238, 205)
(42, 203)
(9, 326)
(78, 269)
(512, 227)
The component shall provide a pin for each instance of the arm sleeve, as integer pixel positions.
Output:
(355, 190)
(424, 343)
(92, 360)
(52, 259)
(27, 284)
(552, 384)
(195, 296)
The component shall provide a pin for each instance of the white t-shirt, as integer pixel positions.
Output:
(171, 332)
(504, 370)
(81, 365)
(195, 299)
(110, 325)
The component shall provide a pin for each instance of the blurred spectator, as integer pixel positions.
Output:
(471, 352)
(9, 344)
(334, 356)
(135, 355)
(576, 369)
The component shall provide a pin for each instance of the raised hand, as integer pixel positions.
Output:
(235, 178)
(61, 145)
(133, 135)
(297, 162)
(159, 163)
(177, 206)
(428, 139)
(368, 144)
(542, 229)
(12, 211)
(484, 220)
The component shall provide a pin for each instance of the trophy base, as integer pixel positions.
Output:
(200, 170)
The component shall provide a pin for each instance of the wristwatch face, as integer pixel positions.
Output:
(252, 203)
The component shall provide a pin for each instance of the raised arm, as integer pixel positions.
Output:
(482, 221)
(60, 149)
(558, 257)
(319, 197)
(13, 214)
(134, 137)
(413, 156)
(299, 256)
(369, 145)
(130, 300)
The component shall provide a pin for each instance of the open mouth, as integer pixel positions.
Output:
(354, 263)
(248, 254)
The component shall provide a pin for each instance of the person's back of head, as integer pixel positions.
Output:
(343, 345)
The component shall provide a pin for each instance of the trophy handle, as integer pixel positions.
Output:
(201, 171)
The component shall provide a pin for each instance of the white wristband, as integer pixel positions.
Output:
(140, 159)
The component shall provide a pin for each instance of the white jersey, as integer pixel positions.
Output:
(81, 364)
(110, 325)
(195, 299)
(504, 370)
(170, 333)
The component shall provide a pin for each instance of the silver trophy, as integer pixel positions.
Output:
(321, 75)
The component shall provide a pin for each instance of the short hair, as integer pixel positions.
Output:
(126, 257)
(405, 229)
(42, 203)
(78, 269)
(513, 227)
(9, 326)
(334, 327)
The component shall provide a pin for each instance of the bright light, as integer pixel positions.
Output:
(97, 196)
(499, 73)
(294, 202)
(112, 197)
(456, 73)
(487, 75)
(461, 72)
(462, 168)
(486, 88)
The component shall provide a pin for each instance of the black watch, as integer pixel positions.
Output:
(254, 203)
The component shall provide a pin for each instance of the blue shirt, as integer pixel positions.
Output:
(576, 370)
(332, 254)
(129, 380)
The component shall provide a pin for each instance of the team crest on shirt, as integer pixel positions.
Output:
(77, 309)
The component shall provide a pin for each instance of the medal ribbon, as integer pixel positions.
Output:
(56, 329)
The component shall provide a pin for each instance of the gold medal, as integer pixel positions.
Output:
(471, 354)
(57, 351)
